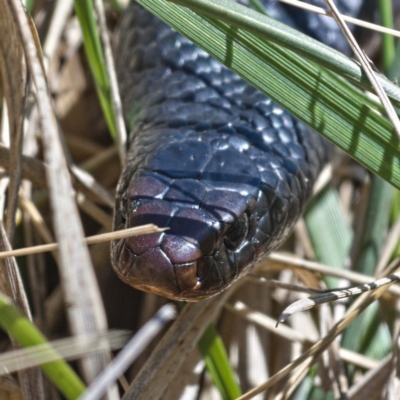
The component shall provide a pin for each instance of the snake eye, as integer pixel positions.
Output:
(236, 234)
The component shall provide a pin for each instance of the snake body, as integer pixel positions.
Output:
(224, 167)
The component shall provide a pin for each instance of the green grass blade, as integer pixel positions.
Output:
(85, 12)
(322, 100)
(330, 234)
(331, 238)
(375, 227)
(386, 12)
(217, 361)
(367, 333)
(269, 29)
(258, 6)
(26, 334)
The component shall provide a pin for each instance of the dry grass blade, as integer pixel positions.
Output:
(293, 335)
(310, 302)
(35, 171)
(69, 349)
(91, 186)
(366, 65)
(11, 284)
(116, 99)
(86, 315)
(37, 220)
(130, 352)
(278, 284)
(393, 383)
(32, 169)
(100, 158)
(13, 79)
(356, 309)
(333, 295)
(371, 384)
(389, 246)
(176, 344)
(94, 211)
(61, 12)
(105, 237)
(355, 21)
(293, 262)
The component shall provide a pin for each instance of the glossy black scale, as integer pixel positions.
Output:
(224, 167)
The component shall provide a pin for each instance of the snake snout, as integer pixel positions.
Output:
(179, 263)
(195, 258)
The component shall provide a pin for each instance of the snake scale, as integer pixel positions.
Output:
(224, 167)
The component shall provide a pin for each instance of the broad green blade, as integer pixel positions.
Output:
(330, 234)
(217, 362)
(368, 334)
(321, 99)
(267, 28)
(26, 334)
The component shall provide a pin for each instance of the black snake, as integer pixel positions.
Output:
(224, 167)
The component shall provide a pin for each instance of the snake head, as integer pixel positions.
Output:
(211, 217)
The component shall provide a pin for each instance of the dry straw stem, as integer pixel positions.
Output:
(164, 362)
(61, 13)
(105, 237)
(333, 295)
(366, 65)
(112, 76)
(130, 352)
(35, 171)
(94, 211)
(37, 220)
(293, 262)
(352, 20)
(90, 187)
(351, 314)
(268, 323)
(371, 385)
(101, 157)
(389, 247)
(278, 284)
(69, 349)
(85, 312)
(13, 79)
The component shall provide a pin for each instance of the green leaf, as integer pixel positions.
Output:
(26, 334)
(324, 101)
(330, 234)
(269, 29)
(217, 362)
(85, 12)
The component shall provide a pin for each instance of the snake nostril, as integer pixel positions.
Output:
(237, 233)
